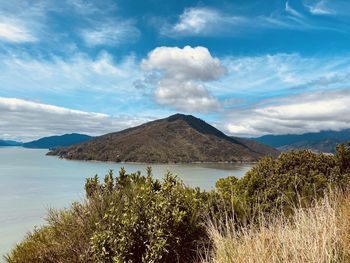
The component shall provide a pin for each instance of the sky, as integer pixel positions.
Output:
(248, 67)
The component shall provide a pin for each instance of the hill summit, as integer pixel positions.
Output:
(178, 138)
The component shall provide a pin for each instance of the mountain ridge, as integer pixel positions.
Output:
(176, 139)
(10, 143)
(323, 141)
(55, 141)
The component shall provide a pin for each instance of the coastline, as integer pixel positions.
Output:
(145, 163)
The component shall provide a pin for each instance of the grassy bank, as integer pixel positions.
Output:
(312, 235)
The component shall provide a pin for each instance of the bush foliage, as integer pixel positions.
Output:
(295, 178)
(135, 218)
(131, 218)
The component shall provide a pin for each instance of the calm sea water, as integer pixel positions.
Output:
(31, 182)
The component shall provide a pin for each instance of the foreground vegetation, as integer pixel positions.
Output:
(280, 211)
(318, 234)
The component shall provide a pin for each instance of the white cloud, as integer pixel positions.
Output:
(83, 7)
(14, 32)
(96, 22)
(27, 120)
(204, 21)
(311, 112)
(181, 77)
(292, 11)
(201, 20)
(111, 33)
(320, 7)
(281, 73)
(184, 63)
(188, 96)
(23, 22)
(79, 72)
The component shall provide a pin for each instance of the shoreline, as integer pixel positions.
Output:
(145, 163)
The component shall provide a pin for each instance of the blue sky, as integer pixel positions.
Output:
(248, 67)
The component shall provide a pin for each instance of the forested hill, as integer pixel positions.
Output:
(178, 138)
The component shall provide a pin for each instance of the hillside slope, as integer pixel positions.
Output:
(178, 138)
(257, 146)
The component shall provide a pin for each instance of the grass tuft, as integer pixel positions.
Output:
(318, 234)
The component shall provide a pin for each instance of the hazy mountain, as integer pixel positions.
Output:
(9, 143)
(178, 138)
(324, 141)
(57, 141)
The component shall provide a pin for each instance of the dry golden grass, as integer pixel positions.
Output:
(320, 234)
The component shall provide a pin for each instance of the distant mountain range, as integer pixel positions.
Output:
(9, 143)
(50, 142)
(53, 142)
(324, 141)
(176, 139)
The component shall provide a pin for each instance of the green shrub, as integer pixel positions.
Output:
(131, 218)
(295, 178)
(144, 220)
(64, 239)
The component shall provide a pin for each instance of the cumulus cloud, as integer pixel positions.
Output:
(27, 120)
(311, 112)
(184, 63)
(110, 33)
(182, 73)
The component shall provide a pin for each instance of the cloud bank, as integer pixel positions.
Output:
(28, 120)
(311, 112)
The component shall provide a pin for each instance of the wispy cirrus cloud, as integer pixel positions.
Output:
(13, 31)
(338, 10)
(206, 21)
(23, 22)
(95, 23)
(56, 74)
(320, 7)
(281, 73)
(83, 7)
(110, 33)
(292, 11)
(202, 21)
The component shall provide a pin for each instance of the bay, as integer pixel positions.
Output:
(31, 183)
